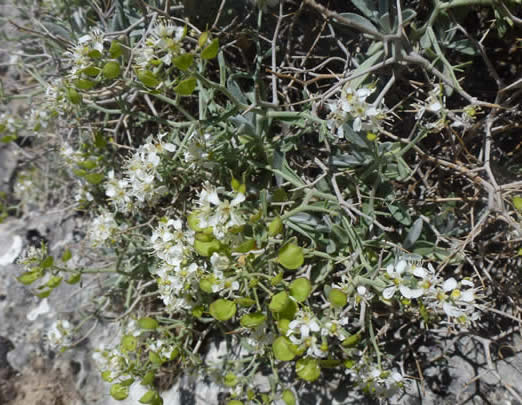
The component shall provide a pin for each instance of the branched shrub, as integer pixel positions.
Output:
(316, 202)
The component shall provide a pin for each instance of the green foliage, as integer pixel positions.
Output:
(277, 204)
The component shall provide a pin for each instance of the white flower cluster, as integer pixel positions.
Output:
(60, 334)
(139, 185)
(162, 348)
(220, 283)
(218, 214)
(90, 46)
(196, 152)
(374, 381)
(111, 363)
(7, 124)
(353, 106)
(455, 299)
(180, 272)
(102, 228)
(163, 43)
(38, 119)
(311, 334)
(56, 101)
(176, 275)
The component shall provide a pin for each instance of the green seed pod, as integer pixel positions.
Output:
(275, 227)
(337, 298)
(111, 70)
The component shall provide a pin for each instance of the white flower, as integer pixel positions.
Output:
(334, 328)
(220, 215)
(315, 347)
(401, 276)
(352, 105)
(118, 192)
(102, 228)
(60, 334)
(304, 323)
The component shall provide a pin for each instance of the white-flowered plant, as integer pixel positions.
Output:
(221, 204)
(352, 108)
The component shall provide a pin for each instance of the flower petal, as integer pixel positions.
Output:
(420, 272)
(449, 285)
(388, 292)
(410, 292)
(451, 310)
(401, 266)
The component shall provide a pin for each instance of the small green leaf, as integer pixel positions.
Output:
(66, 256)
(517, 203)
(400, 214)
(277, 279)
(351, 340)
(155, 358)
(300, 289)
(183, 62)
(203, 38)
(148, 323)
(30, 277)
(75, 278)
(234, 402)
(127, 382)
(87, 164)
(308, 369)
(284, 349)
(111, 70)
(288, 312)
(279, 302)
(148, 397)
(115, 51)
(246, 246)
(211, 51)
(354, 20)
(230, 380)
(252, 320)
(275, 227)
(80, 172)
(44, 294)
(119, 392)
(193, 223)
(148, 78)
(47, 262)
(288, 397)
(337, 298)
(95, 54)
(222, 309)
(8, 138)
(106, 376)
(99, 140)
(206, 283)
(197, 312)
(206, 248)
(73, 96)
(329, 363)
(204, 237)
(186, 87)
(148, 378)
(54, 282)
(413, 233)
(84, 84)
(291, 256)
(245, 302)
(129, 343)
(94, 178)
(92, 71)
